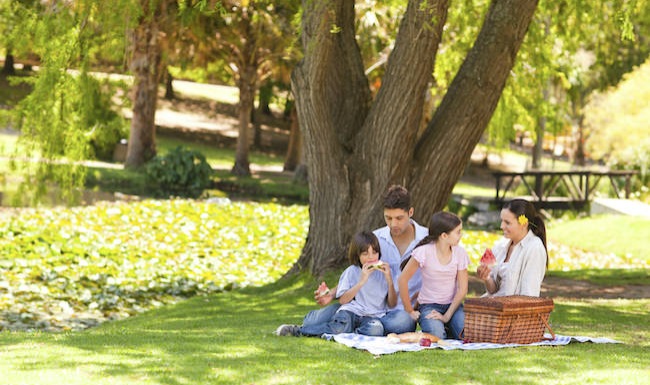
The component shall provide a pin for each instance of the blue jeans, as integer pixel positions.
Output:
(345, 322)
(322, 315)
(436, 327)
(398, 321)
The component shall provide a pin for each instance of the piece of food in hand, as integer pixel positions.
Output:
(488, 258)
(425, 342)
(414, 337)
(376, 265)
(323, 289)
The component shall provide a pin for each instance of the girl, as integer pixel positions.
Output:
(365, 291)
(444, 278)
(521, 256)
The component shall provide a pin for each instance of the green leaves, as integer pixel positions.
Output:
(60, 266)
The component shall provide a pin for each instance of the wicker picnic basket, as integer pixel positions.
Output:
(511, 319)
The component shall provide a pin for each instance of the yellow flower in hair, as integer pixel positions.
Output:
(522, 220)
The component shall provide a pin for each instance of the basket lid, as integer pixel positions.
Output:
(509, 304)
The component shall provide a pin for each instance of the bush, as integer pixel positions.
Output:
(181, 172)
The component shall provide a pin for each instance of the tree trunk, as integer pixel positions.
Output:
(8, 68)
(169, 86)
(355, 149)
(246, 103)
(540, 130)
(246, 82)
(146, 69)
(293, 157)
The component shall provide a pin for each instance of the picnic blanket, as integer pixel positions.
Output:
(381, 345)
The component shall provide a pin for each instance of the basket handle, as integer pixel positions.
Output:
(549, 329)
(512, 327)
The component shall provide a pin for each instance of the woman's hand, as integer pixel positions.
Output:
(483, 272)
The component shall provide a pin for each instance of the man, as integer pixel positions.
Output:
(396, 240)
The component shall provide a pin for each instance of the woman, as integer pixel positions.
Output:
(522, 256)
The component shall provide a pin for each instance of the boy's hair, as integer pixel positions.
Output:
(361, 242)
(397, 197)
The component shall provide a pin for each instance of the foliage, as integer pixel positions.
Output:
(67, 268)
(181, 172)
(66, 110)
(618, 123)
(59, 267)
(227, 338)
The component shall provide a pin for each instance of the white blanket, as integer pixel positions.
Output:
(382, 345)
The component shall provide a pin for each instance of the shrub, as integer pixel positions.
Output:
(181, 172)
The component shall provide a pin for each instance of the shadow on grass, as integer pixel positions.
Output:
(227, 338)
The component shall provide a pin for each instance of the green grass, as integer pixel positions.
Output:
(606, 277)
(227, 339)
(618, 234)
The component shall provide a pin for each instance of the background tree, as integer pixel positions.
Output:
(249, 37)
(355, 148)
(146, 65)
(67, 107)
(572, 49)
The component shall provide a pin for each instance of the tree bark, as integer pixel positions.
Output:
(294, 148)
(355, 149)
(146, 68)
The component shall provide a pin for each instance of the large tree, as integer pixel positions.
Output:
(356, 147)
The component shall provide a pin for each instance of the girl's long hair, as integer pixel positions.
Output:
(535, 221)
(441, 222)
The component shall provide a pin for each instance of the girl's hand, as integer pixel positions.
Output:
(435, 315)
(483, 272)
(415, 315)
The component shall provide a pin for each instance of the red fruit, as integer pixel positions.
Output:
(425, 342)
(488, 258)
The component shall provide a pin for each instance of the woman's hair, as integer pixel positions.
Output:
(361, 242)
(535, 222)
(441, 222)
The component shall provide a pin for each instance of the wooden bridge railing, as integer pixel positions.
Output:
(543, 191)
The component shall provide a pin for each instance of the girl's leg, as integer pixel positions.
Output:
(432, 326)
(398, 321)
(456, 323)
(370, 326)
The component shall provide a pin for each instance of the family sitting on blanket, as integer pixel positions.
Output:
(434, 309)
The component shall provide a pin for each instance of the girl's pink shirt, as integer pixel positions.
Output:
(439, 281)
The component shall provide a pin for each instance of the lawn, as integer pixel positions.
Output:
(227, 338)
(196, 299)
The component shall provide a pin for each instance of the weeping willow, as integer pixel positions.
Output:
(68, 110)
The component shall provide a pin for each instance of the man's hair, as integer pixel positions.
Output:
(397, 197)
